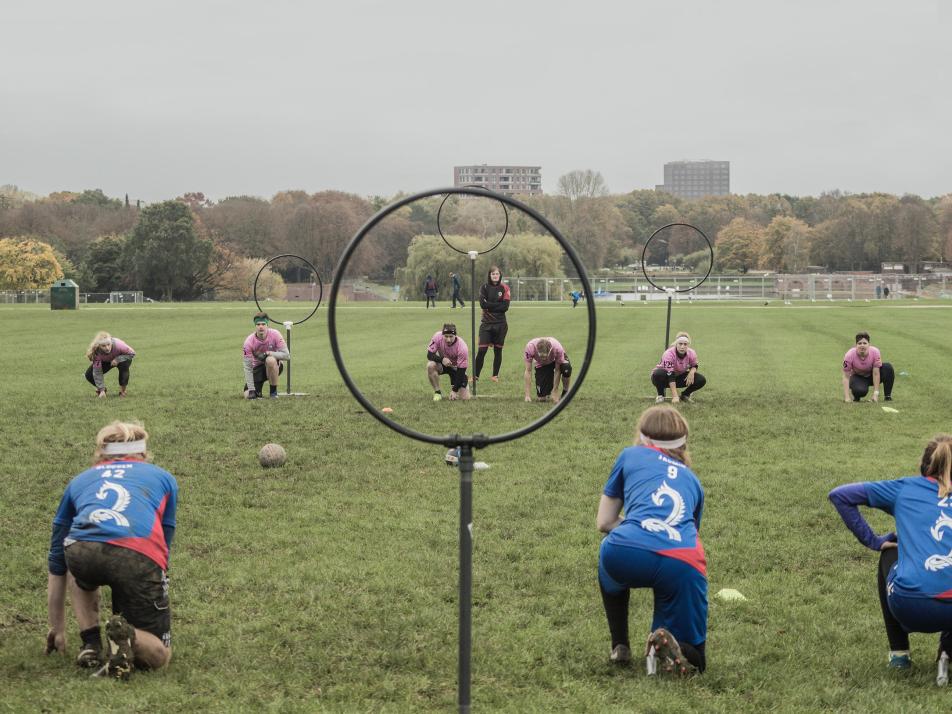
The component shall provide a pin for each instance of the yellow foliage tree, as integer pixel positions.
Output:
(27, 264)
(237, 283)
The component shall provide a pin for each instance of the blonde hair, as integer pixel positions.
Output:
(665, 423)
(679, 336)
(937, 462)
(100, 340)
(118, 433)
(544, 346)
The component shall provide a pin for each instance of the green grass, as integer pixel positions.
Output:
(330, 584)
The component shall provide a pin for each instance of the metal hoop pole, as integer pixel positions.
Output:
(667, 326)
(287, 338)
(465, 574)
(473, 254)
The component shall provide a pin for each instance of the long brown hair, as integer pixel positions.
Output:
(100, 340)
(937, 462)
(665, 423)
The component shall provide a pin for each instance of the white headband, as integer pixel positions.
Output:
(124, 447)
(673, 444)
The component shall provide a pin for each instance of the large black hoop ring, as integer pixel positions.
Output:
(490, 194)
(476, 440)
(320, 282)
(644, 267)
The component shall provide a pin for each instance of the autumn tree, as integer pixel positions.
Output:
(27, 264)
(738, 246)
(786, 245)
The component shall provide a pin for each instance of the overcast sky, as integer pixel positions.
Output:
(154, 99)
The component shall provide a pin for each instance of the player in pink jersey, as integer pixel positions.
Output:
(678, 369)
(863, 367)
(106, 352)
(548, 356)
(263, 353)
(448, 354)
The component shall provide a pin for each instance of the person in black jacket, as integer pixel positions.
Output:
(494, 300)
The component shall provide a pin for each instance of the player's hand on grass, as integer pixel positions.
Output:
(875, 396)
(528, 398)
(55, 642)
(102, 394)
(675, 399)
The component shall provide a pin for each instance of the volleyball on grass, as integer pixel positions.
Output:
(272, 455)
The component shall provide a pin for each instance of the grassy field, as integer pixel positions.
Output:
(330, 584)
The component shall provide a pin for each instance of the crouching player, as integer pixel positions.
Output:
(114, 527)
(448, 354)
(547, 355)
(915, 580)
(264, 353)
(655, 545)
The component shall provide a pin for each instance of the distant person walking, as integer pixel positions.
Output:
(576, 295)
(677, 369)
(106, 352)
(429, 290)
(863, 367)
(885, 292)
(456, 290)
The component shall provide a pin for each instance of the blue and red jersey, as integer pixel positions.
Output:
(663, 503)
(924, 534)
(126, 503)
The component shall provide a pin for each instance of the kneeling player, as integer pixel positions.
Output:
(548, 356)
(114, 527)
(656, 545)
(448, 354)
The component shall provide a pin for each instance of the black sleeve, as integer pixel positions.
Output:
(483, 298)
(434, 357)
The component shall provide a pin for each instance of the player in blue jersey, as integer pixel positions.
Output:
(114, 527)
(655, 544)
(915, 562)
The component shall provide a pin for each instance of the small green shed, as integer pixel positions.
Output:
(64, 295)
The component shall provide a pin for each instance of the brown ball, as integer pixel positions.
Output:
(272, 455)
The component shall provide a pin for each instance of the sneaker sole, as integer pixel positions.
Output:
(671, 659)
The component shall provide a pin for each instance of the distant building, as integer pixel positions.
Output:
(696, 179)
(509, 180)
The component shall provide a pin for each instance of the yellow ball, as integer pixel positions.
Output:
(272, 456)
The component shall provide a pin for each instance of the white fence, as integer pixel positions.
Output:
(43, 297)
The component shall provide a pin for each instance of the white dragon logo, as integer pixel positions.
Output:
(938, 562)
(656, 525)
(115, 513)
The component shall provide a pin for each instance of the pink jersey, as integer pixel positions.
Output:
(854, 364)
(118, 348)
(457, 353)
(255, 348)
(556, 354)
(672, 362)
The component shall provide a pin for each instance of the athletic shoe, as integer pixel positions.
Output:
(437, 397)
(942, 676)
(89, 657)
(659, 399)
(899, 661)
(273, 395)
(620, 655)
(494, 378)
(686, 398)
(121, 637)
(888, 397)
(670, 657)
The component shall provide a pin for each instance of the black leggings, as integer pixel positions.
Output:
(859, 385)
(616, 610)
(123, 372)
(481, 355)
(659, 378)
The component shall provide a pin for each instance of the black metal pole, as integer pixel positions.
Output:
(465, 573)
(474, 346)
(667, 327)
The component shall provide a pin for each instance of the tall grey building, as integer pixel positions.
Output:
(509, 180)
(695, 179)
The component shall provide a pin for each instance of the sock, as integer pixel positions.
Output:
(695, 655)
(92, 637)
(497, 360)
(274, 390)
(616, 612)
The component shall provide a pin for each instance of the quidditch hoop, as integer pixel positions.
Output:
(317, 275)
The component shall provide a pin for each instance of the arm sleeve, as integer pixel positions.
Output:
(699, 511)
(249, 373)
(169, 533)
(124, 358)
(615, 486)
(279, 355)
(97, 375)
(434, 357)
(57, 556)
(846, 499)
(483, 299)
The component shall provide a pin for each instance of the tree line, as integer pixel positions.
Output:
(185, 247)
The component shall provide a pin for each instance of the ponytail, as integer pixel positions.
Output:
(937, 462)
